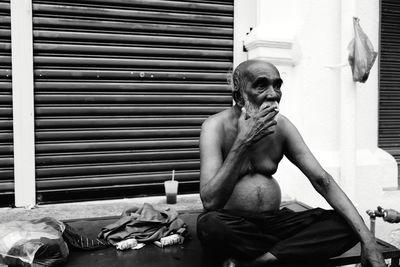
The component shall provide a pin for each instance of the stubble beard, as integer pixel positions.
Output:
(251, 108)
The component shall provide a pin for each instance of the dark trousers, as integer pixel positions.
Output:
(310, 235)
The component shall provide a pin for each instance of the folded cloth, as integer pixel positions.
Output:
(146, 224)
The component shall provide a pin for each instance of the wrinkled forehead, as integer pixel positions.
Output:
(259, 69)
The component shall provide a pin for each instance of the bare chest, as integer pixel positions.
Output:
(262, 157)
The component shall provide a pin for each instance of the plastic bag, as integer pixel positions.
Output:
(361, 53)
(37, 241)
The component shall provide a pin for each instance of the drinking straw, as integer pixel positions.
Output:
(173, 175)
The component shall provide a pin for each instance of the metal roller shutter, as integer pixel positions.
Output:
(389, 88)
(121, 90)
(6, 135)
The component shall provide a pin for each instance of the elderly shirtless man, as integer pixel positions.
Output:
(240, 150)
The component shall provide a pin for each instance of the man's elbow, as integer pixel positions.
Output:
(322, 183)
(209, 204)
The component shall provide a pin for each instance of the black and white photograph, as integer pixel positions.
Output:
(200, 133)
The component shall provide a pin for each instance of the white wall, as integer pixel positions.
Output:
(244, 19)
(318, 89)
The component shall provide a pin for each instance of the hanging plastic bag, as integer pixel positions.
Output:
(361, 53)
(37, 241)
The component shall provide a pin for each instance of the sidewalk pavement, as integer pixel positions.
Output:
(94, 209)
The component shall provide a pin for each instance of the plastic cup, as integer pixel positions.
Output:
(171, 190)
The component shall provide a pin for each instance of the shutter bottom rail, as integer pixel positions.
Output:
(110, 192)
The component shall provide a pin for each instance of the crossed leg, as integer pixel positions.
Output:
(287, 237)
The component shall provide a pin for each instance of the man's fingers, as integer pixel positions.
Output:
(270, 116)
(266, 129)
(260, 136)
(267, 111)
(269, 124)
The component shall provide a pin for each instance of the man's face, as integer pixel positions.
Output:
(262, 88)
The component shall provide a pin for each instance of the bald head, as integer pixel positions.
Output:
(256, 64)
(247, 71)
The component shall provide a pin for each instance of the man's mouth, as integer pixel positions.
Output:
(269, 104)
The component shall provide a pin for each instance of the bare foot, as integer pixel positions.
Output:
(230, 263)
(266, 259)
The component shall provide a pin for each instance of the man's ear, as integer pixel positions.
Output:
(237, 96)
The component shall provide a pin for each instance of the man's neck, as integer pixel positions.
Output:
(237, 111)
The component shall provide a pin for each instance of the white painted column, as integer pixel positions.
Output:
(23, 102)
(244, 19)
(348, 106)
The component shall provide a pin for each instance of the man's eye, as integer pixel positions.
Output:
(277, 84)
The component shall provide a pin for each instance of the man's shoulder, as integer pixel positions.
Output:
(217, 120)
(285, 126)
(283, 121)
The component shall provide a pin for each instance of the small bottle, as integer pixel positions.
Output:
(127, 244)
(170, 240)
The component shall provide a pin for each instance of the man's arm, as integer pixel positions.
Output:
(218, 176)
(298, 153)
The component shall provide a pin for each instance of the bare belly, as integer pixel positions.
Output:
(255, 193)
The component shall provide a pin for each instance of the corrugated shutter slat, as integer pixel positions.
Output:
(121, 90)
(6, 135)
(389, 81)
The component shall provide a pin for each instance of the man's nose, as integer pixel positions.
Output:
(271, 94)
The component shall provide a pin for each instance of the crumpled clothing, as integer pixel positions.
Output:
(146, 224)
(361, 53)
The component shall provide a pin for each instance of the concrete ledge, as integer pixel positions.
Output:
(93, 209)
(103, 208)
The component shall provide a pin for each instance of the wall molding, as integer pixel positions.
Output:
(277, 48)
